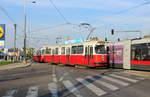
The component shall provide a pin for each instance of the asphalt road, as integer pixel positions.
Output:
(46, 80)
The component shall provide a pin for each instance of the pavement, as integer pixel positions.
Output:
(138, 73)
(14, 66)
(47, 80)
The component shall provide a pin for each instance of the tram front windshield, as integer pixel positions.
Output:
(100, 49)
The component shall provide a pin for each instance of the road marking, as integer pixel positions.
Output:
(71, 88)
(54, 74)
(54, 77)
(125, 78)
(10, 93)
(93, 88)
(53, 88)
(33, 91)
(61, 78)
(108, 85)
(114, 80)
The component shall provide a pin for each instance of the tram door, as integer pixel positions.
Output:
(68, 55)
(88, 55)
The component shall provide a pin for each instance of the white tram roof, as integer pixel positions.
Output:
(88, 42)
(133, 41)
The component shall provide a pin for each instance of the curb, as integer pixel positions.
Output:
(27, 65)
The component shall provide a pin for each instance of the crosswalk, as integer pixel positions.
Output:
(96, 84)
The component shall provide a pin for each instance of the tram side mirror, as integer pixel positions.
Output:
(112, 31)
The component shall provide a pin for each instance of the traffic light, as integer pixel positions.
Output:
(118, 39)
(105, 39)
(112, 31)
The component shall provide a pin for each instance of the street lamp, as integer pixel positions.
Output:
(25, 26)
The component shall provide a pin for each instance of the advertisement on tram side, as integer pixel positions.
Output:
(116, 54)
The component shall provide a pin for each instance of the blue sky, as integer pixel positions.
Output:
(99, 13)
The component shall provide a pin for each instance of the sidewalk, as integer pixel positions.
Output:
(15, 65)
(138, 73)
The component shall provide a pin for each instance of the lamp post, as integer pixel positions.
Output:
(25, 28)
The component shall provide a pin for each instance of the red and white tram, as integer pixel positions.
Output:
(39, 55)
(90, 53)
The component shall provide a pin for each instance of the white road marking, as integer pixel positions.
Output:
(114, 80)
(53, 88)
(54, 78)
(125, 78)
(61, 78)
(33, 91)
(54, 74)
(93, 88)
(10, 93)
(71, 88)
(108, 85)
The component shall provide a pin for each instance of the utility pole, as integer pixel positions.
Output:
(25, 28)
(15, 30)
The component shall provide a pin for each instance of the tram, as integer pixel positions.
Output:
(91, 53)
(130, 54)
(39, 55)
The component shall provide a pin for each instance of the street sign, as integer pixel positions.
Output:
(2, 32)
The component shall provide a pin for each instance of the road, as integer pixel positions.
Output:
(47, 80)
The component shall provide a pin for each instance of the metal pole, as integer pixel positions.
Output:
(25, 18)
(15, 42)
(15, 30)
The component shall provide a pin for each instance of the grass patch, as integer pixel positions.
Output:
(2, 63)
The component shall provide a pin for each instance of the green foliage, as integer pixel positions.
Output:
(5, 63)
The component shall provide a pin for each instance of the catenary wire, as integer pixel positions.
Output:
(59, 12)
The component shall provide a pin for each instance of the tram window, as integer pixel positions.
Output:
(74, 49)
(68, 51)
(100, 49)
(39, 52)
(63, 50)
(43, 51)
(56, 51)
(80, 49)
(91, 50)
(140, 52)
(86, 50)
(49, 51)
(53, 52)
